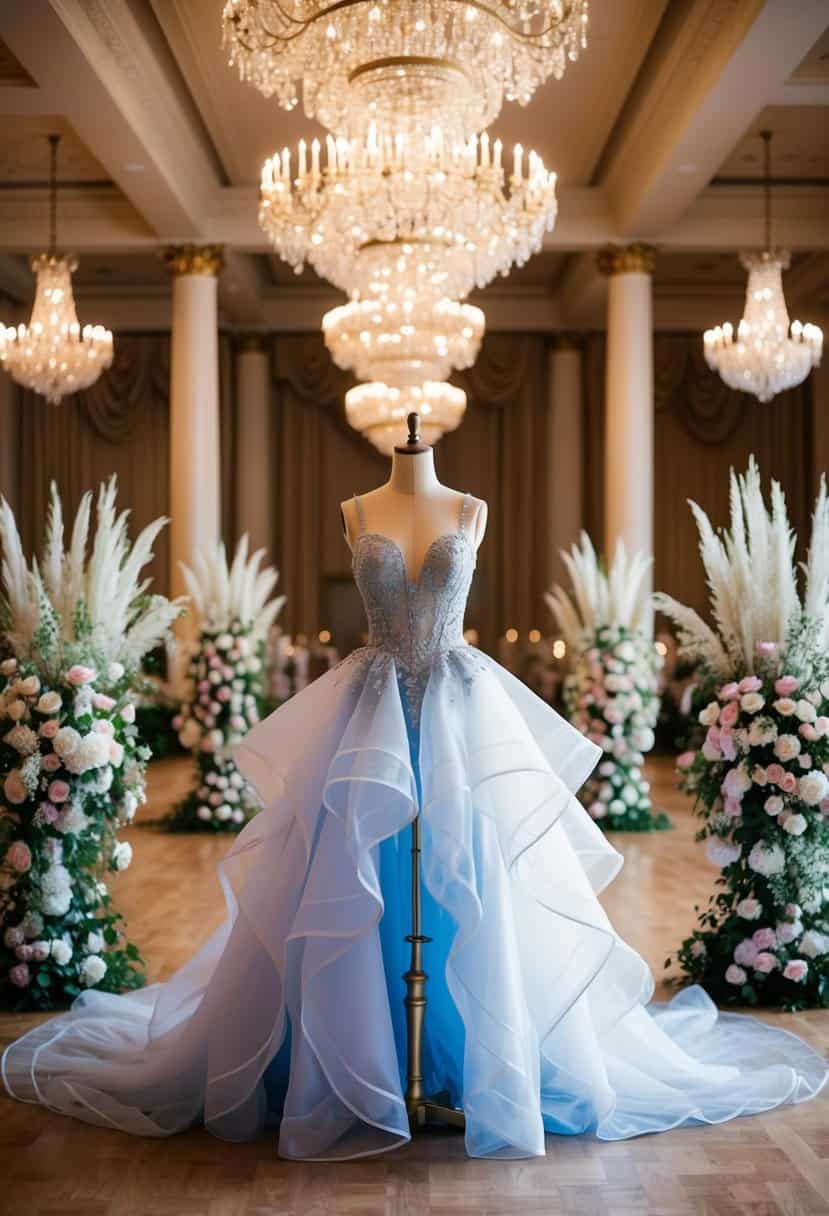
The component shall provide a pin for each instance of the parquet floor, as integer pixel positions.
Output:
(769, 1165)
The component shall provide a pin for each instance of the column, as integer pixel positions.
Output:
(10, 395)
(629, 398)
(565, 452)
(195, 488)
(255, 479)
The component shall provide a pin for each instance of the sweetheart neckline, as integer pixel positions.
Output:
(415, 583)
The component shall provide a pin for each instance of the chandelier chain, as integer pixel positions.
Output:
(766, 137)
(54, 140)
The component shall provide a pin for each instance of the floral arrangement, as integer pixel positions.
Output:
(71, 761)
(610, 692)
(760, 779)
(236, 609)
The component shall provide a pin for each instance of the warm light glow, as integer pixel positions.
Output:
(324, 636)
(559, 648)
(379, 411)
(661, 648)
(511, 635)
(535, 636)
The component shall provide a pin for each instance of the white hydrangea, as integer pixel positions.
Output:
(814, 943)
(93, 970)
(72, 820)
(32, 925)
(720, 853)
(767, 860)
(56, 890)
(122, 855)
(91, 752)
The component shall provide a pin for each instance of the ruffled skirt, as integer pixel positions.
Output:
(292, 1012)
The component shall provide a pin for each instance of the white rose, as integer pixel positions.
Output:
(205, 813)
(115, 671)
(93, 970)
(786, 747)
(29, 687)
(127, 713)
(40, 951)
(773, 805)
(785, 706)
(813, 943)
(61, 951)
(94, 942)
(710, 715)
(813, 787)
(767, 859)
(66, 741)
(805, 711)
(223, 812)
(761, 732)
(49, 703)
(643, 739)
(749, 909)
(224, 641)
(122, 855)
(130, 805)
(752, 702)
(795, 825)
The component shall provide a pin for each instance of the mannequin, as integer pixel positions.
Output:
(413, 508)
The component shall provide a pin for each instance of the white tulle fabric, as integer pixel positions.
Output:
(556, 1033)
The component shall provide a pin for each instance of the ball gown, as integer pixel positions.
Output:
(291, 1015)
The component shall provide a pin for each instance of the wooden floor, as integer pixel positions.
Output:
(769, 1165)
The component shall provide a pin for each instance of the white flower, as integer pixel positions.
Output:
(56, 890)
(49, 703)
(94, 942)
(23, 739)
(122, 855)
(115, 671)
(789, 931)
(643, 739)
(710, 715)
(752, 702)
(795, 825)
(720, 853)
(786, 747)
(813, 943)
(130, 805)
(813, 787)
(66, 741)
(72, 820)
(32, 925)
(93, 970)
(737, 782)
(223, 812)
(773, 805)
(617, 807)
(761, 732)
(749, 909)
(785, 706)
(61, 951)
(767, 859)
(127, 713)
(92, 752)
(205, 813)
(29, 687)
(805, 711)
(224, 641)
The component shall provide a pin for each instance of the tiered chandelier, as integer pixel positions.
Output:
(408, 207)
(767, 355)
(52, 354)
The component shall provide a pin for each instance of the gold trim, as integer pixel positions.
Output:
(627, 259)
(395, 61)
(194, 259)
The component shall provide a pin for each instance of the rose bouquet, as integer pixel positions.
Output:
(236, 609)
(610, 693)
(759, 779)
(71, 763)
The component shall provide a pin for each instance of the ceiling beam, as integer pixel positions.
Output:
(714, 65)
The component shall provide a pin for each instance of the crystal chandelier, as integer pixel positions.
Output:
(52, 354)
(434, 216)
(767, 355)
(402, 64)
(403, 343)
(379, 411)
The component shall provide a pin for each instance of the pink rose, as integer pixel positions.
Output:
(103, 726)
(686, 760)
(49, 729)
(228, 673)
(733, 808)
(50, 763)
(19, 975)
(750, 684)
(727, 745)
(79, 674)
(730, 692)
(775, 773)
(207, 745)
(730, 714)
(764, 939)
(789, 783)
(223, 695)
(103, 702)
(48, 812)
(735, 975)
(796, 970)
(786, 685)
(116, 753)
(746, 952)
(19, 856)
(15, 788)
(58, 791)
(765, 963)
(128, 713)
(807, 731)
(767, 649)
(178, 722)
(25, 953)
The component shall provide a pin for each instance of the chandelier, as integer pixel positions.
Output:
(403, 343)
(440, 218)
(379, 411)
(52, 354)
(402, 64)
(767, 355)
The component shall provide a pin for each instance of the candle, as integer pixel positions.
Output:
(331, 149)
(484, 151)
(517, 163)
(315, 158)
(497, 149)
(302, 166)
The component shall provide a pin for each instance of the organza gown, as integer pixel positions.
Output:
(292, 1013)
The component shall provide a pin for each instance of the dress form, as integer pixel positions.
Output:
(413, 508)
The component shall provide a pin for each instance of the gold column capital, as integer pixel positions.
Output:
(250, 343)
(627, 259)
(194, 259)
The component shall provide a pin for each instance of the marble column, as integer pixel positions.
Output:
(195, 487)
(565, 451)
(10, 395)
(254, 470)
(629, 398)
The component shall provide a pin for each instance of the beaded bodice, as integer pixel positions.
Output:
(414, 621)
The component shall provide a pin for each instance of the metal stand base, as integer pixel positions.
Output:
(423, 1111)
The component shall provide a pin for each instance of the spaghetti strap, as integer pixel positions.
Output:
(464, 509)
(360, 513)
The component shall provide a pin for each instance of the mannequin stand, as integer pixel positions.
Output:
(422, 1111)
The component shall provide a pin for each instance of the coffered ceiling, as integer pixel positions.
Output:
(653, 134)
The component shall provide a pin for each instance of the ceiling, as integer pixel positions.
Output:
(653, 132)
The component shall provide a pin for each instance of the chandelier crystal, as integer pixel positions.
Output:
(379, 411)
(402, 64)
(767, 355)
(403, 343)
(53, 355)
(442, 218)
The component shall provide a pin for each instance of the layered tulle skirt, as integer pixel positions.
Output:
(292, 1013)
